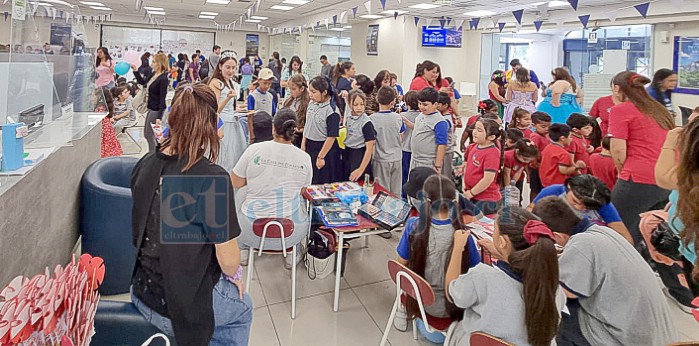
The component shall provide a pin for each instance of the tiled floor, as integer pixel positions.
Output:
(366, 297)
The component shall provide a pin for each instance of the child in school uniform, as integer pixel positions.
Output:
(511, 138)
(321, 131)
(261, 99)
(430, 135)
(521, 120)
(481, 166)
(443, 106)
(556, 162)
(409, 118)
(518, 299)
(486, 109)
(580, 129)
(602, 166)
(426, 243)
(540, 138)
(389, 126)
(360, 140)
(516, 162)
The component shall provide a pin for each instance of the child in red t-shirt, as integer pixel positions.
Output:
(521, 120)
(482, 163)
(517, 161)
(556, 162)
(579, 146)
(540, 138)
(487, 109)
(602, 165)
(512, 135)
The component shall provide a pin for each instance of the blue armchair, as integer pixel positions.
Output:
(120, 324)
(105, 220)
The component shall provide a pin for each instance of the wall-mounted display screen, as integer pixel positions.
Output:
(435, 36)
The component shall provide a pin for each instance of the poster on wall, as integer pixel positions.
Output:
(686, 63)
(252, 44)
(372, 40)
(125, 42)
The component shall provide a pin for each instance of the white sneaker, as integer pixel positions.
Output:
(400, 322)
(244, 256)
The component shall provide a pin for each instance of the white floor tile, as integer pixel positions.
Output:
(369, 265)
(317, 324)
(255, 289)
(263, 333)
(378, 298)
(276, 281)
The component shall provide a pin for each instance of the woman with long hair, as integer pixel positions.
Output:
(298, 102)
(104, 66)
(638, 127)
(227, 90)
(601, 108)
(519, 298)
(677, 170)
(157, 83)
(343, 73)
(521, 93)
(497, 91)
(145, 68)
(563, 96)
(295, 67)
(189, 288)
(383, 78)
(661, 87)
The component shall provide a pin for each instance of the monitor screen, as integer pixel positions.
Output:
(434, 36)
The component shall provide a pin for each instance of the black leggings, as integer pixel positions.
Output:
(631, 199)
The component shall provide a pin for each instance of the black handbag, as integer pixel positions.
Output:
(665, 240)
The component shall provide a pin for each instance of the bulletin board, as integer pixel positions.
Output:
(119, 40)
(686, 64)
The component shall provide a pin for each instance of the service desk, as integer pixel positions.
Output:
(39, 210)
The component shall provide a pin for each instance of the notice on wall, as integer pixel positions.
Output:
(252, 45)
(19, 9)
(372, 40)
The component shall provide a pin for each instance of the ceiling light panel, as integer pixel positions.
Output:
(295, 2)
(157, 13)
(480, 13)
(218, 2)
(259, 17)
(91, 3)
(424, 6)
(253, 21)
(558, 3)
(204, 13)
(148, 8)
(394, 11)
(282, 8)
(371, 16)
(203, 16)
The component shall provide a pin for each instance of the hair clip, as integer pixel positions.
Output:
(633, 77)
(189, 88)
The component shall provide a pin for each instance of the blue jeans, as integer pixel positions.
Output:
(232, 315)
(244, 123)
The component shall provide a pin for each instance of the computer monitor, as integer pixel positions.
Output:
(686, 112)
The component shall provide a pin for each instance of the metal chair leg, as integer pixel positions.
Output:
(293, 282)
(251, 268)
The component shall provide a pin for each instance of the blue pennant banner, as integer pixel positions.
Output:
(417, 20)
(643, 9)
(501, 26)
(354, 11)
(474, 23)
(537, 25)
(584, 19)
(573, 4)
(518, 15)
(383, 4)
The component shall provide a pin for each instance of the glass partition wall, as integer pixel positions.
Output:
(335, 43)
(592, 56)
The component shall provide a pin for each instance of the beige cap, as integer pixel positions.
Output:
(265, 74)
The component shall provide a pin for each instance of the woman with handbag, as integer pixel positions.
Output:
(156, 83)
(671, 233)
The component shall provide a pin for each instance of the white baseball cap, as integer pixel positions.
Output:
(265, 74)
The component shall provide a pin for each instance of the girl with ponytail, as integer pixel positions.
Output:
(518, 299)
(342, 75)
(321, 131)
(427, 242)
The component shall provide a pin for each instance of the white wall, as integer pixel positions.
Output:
(663, 55)
(390, 48)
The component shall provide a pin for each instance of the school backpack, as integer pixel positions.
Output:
(204, 69)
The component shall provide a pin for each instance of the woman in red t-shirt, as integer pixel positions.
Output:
(638, 127)
(601, 108)
(429, 74)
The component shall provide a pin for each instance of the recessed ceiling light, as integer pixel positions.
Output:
(480, 13)
(91, 3)
(44, 4)
(218, 2)
(424, 6)
(203, 16)
(281, 8)
(148, 8)
(59, 2)
(253, 21)
(347, 27)
(337, 29)
(394, 11)
(295, 2)
(259, 17)
(157, 13)
(100, 8)
(371, 16)
(208, 13)
(558, 3)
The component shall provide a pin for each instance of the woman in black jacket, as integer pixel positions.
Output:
(157, 82)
